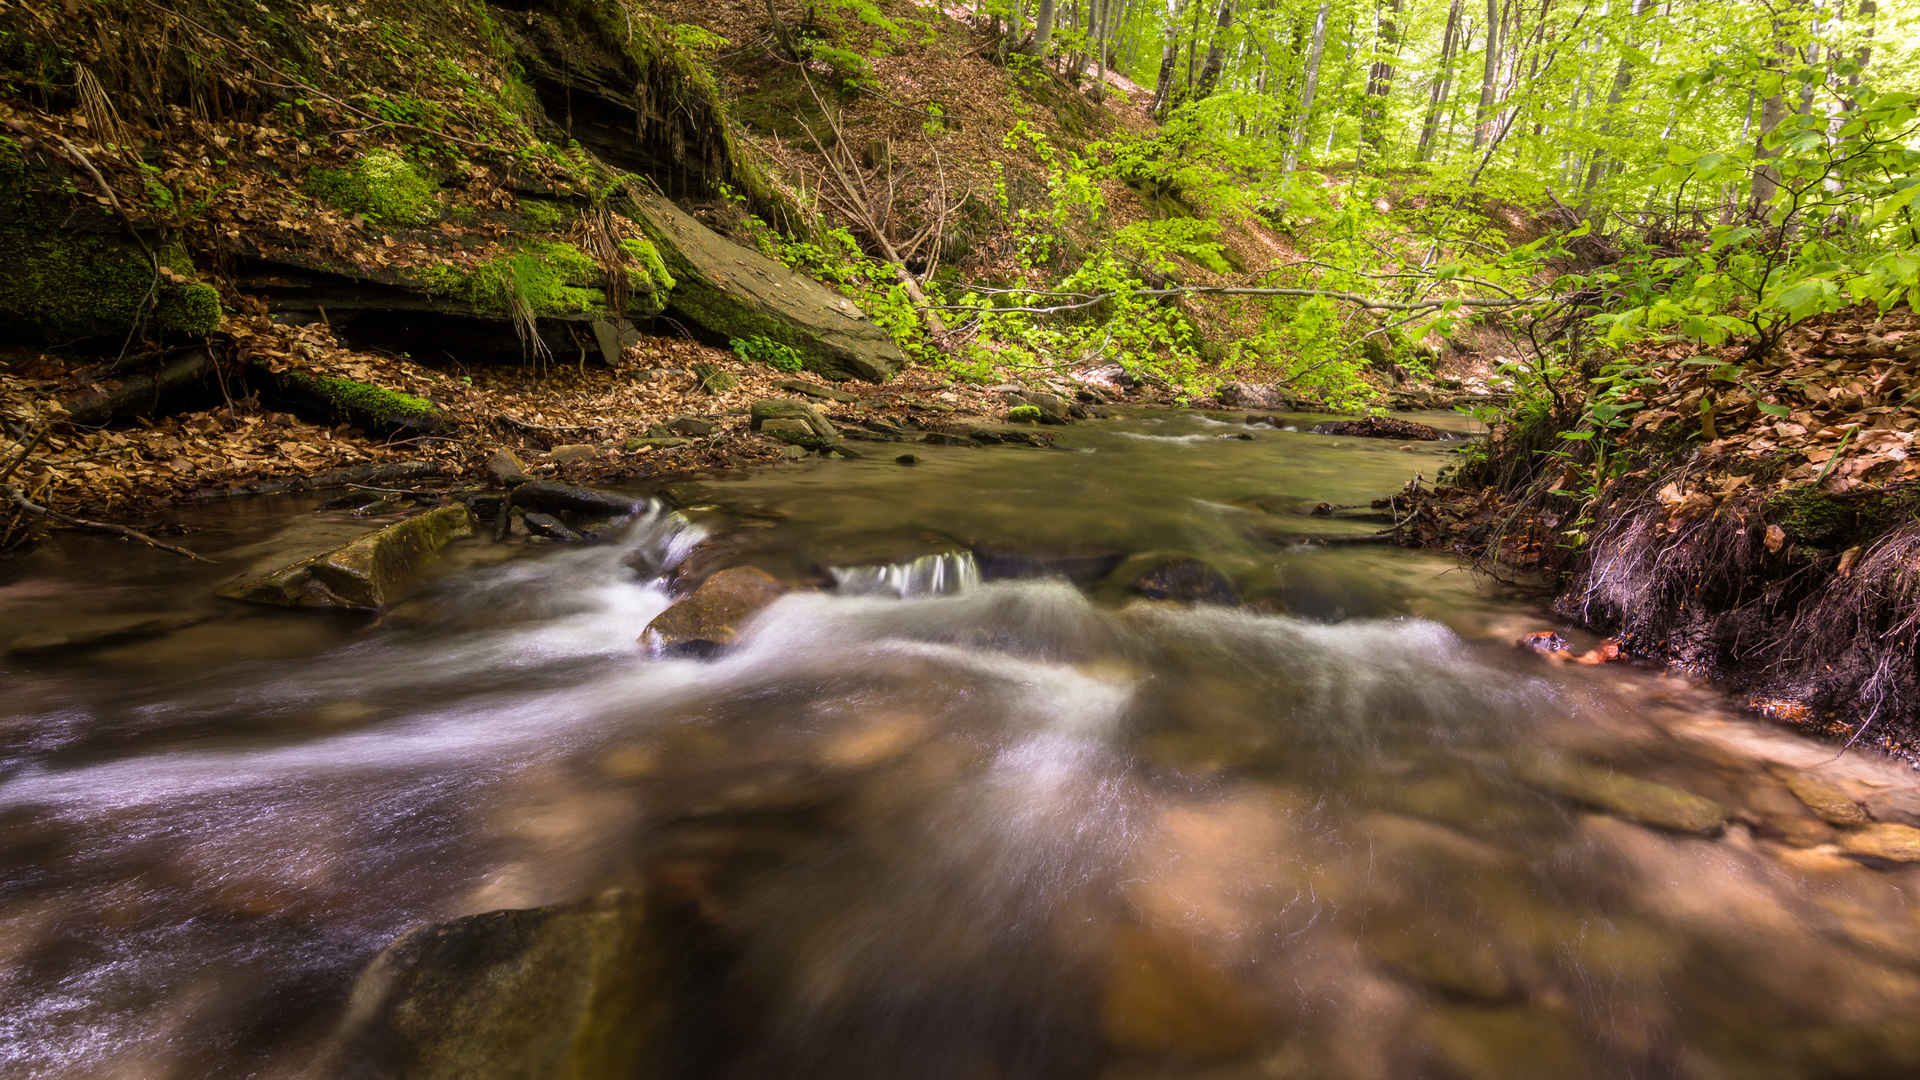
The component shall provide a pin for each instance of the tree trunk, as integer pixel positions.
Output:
(1386, 50)
(1766, 179)
(1216, 51)
(1489, 78)
(1310, 84)
(1622, 78)
(1163, 86)
(1442, 84)
(1042, 29)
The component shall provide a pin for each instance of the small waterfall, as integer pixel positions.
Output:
(659, 538)
(929, 575)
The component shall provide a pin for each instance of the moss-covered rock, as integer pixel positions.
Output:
(569, 992)
(739, 293)
(381, 186)
(367, 574)
(66, 286)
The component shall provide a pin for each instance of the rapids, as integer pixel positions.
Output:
(965, 808)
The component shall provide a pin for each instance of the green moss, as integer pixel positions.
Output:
(364, 403)
(64, 287)
(545, 278)
(642, 251)
(382, 186)
(1025, 414)
(544, 213)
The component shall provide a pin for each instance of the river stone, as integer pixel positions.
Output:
(366, 574)
(789, 409)
(561, 455)
(691, 426)
(1163, 995)
(1170, 576)
(1379, 427)
(98, 631)
(655, 442)
(1826, 799)
(713, 378)
(739, 293)
(505, 468)
(1627, 796)
(570, 991)
(547, 525)
(554, 497)
(795, 432)
(710, 617)
(1492, 1044)
(1448, 958)
(1887, 842)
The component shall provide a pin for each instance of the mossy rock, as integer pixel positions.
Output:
(62, 287)
(381, 186)
(710, 617)
(568, 992)
(366, 574)
(739, 293)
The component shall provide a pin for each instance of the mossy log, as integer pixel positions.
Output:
(331, 399)
(148, 393)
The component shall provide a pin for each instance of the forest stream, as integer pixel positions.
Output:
(969, 808)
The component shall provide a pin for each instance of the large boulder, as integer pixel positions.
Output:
(733, 291)
(710, 617)
(366, 574)
(570, 991)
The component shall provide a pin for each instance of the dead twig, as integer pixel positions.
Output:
(19, 499)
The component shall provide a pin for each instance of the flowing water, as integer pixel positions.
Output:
(960, 809)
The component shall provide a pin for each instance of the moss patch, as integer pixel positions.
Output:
(382, 186)
(363, 404)
(63, 287)
(650, 267)
(1817, 519)
(542, 279)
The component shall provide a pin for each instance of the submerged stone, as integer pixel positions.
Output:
(366, 574)
(1163, 995)
(1627, 796)
(1171, 576)
(710, 617)
(1826, 799)
(1887, 842)
(569, 992)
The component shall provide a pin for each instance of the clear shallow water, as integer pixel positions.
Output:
(963, 812)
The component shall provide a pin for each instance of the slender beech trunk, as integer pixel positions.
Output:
(1216, 51)
(1622, 79)
(1442, 84)
(1766, 179)
(1489, 78)
(1310, 82)
(1386, 52)
(1042, 29)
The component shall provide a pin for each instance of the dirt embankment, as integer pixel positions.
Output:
(1756, 523)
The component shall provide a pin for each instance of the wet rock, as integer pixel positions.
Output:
(877, 739)
(367, 574)
(710, 617)
(1629, 797)
(1491, 1044)
(737, 292)
(1826, 799)
(1885, 842)
(554, 497)
(505, 468)
(906, 459)
(814, 390)
(1039, 407)
(1246, 395)
(795, 432)
(1380, 427)
(1180, 578)
(1448, 958)
(768, 409)
(99, 631)
(551, 527)
(1160, 995)
(570, 991)
(561, 455)
(693, 426)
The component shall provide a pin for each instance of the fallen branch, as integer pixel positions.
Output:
(19, 499)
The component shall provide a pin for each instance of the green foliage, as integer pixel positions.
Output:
(760, 349)
(381, 185)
